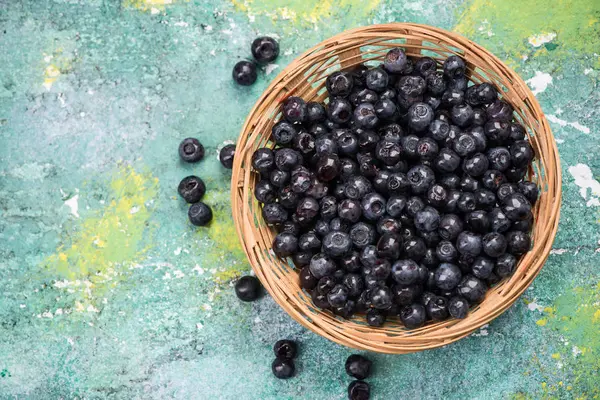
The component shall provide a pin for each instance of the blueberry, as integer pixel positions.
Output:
(433, 101)
(318, 129)
(359, 390)
(285, 349)
(380, 182)
(328, 167)
(279, 178)
(475, 165)
(365, 116)
(521, 153)
(289, 227)
(499, 158)
(358, 366)
(452, 97)
(447, 160)
(283, 133)
(373, 206)
(283, 368)
(482, 267)
(348, 167)
(425, 66)
(426, 297)
(325, 284)
(315, 112)
(244, 73)
(301, 258)
(338, 224)
(265, 49)
(200, 214)
(351, 262)
(458, 307)
(389, 246)
(450, 181)
(505, 265)
(326, 144)
(496, 131)
(436, 84)
(388, 94)
(368, 166)
(339, 84)
(320, 300)
(307, 209)
(516, 207)
(377, 79)
(413, 316)
(285, 244)
(420, 116)
(354, 283)
(337, 296)
(359, 96)
(494, 244)
(450, 227)
(248, 288)
(307, 279)
(287, 159)
(274, 213)
(414, 205)
(287, 196)
(398, 183)
(367, 140)
(472, 289)
(191, 150)
(437, 308)
(445, 251)
(427, 219)
(529, 190)
(462, 115)
(395, 205)
(515, 174)
(485, 199)
(469, 184)
(321, 265)
(388, 152)
(499, 111)
(458, 83)
(226, 155)
(395, 61)
(349, 210)
(406, 295)
(479, 116)
(375, 318)
(340, 110)
(347, 143)
(263, 160)
(518, 242)
(309, 242)
(454, 67)
(437, 195)
(466, 202)
(421, 178)
(192, 189)
(405, 272)
(464, 144)
(524, 225)
(499, 221)
(427, 148)
(336, 244)
(447, 276)
(381, 297)
(486, 93)
(357, 187)
(492, 179)
(409, 146)
(409, 89)
(392, 132)
(439, 129)
(347, 310)
(517, 132)
(481, 142)
(469, 243)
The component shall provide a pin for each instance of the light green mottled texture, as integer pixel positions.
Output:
(108, 292)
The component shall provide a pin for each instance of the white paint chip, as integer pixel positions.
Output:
(589, 188)
(533, 306)
(73, 204)
(539, 82)
(554, 119)
(558, 251)
(177, 251)
(154, 11)
(270, 68)
(540, 39)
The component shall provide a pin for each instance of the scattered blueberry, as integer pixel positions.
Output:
(200, 214)
(283, 368)
(244, 73)
(191, 150)
(248, 288)
(264, 49)
(192, 189)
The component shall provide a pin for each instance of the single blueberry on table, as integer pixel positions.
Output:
(248, 288)
(200, 214)
(191, 150)
(191, 189)
(283, 368)
(264, 49)
(244, 73)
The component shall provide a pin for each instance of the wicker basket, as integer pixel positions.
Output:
(305, 77)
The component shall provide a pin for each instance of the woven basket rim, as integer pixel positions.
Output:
(279, 283)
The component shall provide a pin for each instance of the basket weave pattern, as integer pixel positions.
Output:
(305, 77)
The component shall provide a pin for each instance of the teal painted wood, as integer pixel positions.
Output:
(108, 292)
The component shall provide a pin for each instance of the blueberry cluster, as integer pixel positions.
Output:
(192, 188)
(404, 195)
(264, 50)
(358, 367)
(283, 366)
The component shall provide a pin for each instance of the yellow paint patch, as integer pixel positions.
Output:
(153, 6)
(51, 74)
(596, 317)
(556, 356)
(107, 244)
(542, 322)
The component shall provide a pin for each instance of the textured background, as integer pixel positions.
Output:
(108, 292)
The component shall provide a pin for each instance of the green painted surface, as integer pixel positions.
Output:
(108, 292)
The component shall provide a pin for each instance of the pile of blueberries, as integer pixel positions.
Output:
(404, 195)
